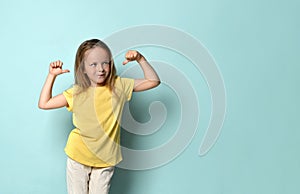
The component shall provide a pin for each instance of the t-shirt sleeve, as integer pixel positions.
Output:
(128, 84)
(69, 97)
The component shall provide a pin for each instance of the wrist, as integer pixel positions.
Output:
(51, 75)
(141, 59)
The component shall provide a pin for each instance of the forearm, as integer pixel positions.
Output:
(46, 93)
(149, 72)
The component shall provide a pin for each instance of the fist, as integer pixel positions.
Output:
(132, 55)
(56, 68)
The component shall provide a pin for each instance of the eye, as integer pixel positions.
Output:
(106, 63)
(93, 64)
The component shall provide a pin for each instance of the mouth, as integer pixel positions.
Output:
(101, 75)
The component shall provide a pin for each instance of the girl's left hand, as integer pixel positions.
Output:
(132, 55)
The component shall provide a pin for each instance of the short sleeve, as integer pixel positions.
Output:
(69, 97)
(127, 84)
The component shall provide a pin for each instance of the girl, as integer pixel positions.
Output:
(96, 100)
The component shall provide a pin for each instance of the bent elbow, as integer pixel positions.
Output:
(156, 83)
(42, 106)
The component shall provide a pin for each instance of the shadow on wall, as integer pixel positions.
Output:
(121, 182)
(131, 181)
(59, 124)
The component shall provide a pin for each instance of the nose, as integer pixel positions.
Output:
(100, 68)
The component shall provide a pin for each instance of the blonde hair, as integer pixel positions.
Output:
(81, 79)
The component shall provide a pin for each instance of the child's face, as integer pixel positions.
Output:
(97, 66)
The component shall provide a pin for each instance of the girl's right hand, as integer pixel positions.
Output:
(56, 68)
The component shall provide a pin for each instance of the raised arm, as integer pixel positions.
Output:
(46, 100)
(150, 80)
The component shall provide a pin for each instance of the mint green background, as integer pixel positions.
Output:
(256, 45)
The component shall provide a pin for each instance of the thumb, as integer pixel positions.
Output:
(65, 71)
(125, 62)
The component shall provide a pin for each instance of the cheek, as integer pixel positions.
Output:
(107, 69)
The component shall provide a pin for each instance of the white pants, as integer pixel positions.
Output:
(83, 179)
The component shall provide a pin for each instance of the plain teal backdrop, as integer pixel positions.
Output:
(256, 45)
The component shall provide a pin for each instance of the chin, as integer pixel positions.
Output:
(101, 83)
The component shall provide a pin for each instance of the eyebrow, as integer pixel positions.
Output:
(105, 61)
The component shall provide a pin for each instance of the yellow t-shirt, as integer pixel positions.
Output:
(96, 115)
